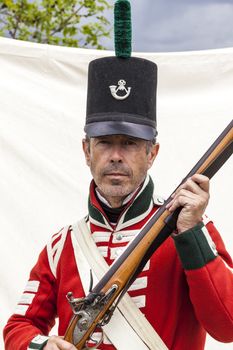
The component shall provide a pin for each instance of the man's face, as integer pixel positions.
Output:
(118, 164)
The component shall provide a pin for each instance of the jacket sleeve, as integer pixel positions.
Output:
(209, 273)
(36, 310)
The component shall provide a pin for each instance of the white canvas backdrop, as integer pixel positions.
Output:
(43, 177)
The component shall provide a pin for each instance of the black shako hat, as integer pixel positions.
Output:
(121, 97)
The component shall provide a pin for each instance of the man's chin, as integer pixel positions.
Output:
(116, 190)
(116, 183)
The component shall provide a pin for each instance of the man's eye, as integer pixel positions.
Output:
(103, 142)
(130, 143)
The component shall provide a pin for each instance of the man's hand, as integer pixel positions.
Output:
(193, 197)
(57, 343)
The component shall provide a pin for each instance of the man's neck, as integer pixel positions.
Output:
(115, 202)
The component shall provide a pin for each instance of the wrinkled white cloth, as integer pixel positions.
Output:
(43, 177)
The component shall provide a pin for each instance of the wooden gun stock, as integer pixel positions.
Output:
(99, 302)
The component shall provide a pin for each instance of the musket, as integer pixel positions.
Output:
(95, 310)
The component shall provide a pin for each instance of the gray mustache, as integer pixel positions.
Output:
(117, 168)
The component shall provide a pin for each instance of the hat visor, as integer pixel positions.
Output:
(102, 128)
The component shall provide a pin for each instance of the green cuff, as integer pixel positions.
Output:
(195, 247)
(38, 342)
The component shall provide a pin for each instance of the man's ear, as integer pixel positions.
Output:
(153, 154)
(86, 150)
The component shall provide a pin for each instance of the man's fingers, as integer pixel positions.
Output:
(57, 343)
(185, 198)
(51, 346)
(196, 184)
(202, 181)
(193, 197)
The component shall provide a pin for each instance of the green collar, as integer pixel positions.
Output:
(135, 210)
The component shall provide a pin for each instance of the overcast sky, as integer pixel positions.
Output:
(180, 25)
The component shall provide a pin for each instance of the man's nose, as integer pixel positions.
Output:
(116, 153)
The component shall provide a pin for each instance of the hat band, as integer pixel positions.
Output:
(120, 128)
(120, 116)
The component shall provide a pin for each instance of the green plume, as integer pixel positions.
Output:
(122, 28)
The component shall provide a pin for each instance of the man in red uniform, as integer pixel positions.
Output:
(186, 288)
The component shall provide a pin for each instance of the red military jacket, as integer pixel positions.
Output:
(184, 291)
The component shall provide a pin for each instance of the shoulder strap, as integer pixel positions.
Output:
(128, 329)
(55, 247)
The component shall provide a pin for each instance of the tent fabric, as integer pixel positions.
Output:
(44, 179)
